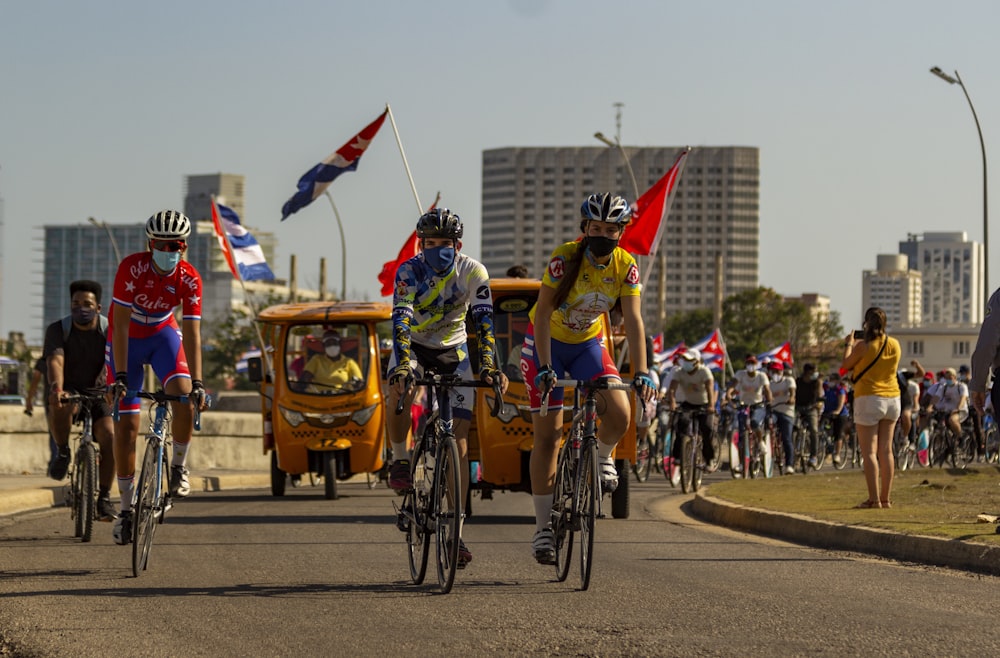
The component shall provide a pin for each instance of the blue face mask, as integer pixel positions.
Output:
(440, 258)
(166, 260)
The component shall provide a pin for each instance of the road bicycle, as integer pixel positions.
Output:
(692, 460)
(803, 445)
(433, 505)
(151, 496)
(752, 458)
(81, 495)
(663, 445)
(645, 449)
(576, 494)
(840, 447)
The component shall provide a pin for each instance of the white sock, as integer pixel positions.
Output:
(180, 453)
(604, 450)
(543, 510)
(399, 451)
(125, 487)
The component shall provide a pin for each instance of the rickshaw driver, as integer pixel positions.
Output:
(332, 371)
(433, 292)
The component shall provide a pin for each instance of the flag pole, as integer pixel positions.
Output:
(406, 165)
(239, 277)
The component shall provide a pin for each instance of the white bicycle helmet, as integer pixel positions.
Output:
(606, 207)
(168, 225)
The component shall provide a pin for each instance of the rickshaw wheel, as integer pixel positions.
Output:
(277, 476)
(330, 474)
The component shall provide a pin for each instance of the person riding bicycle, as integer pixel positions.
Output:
(74, 354)
(433, 292)
(976, 418)
(754, 390)
(783, 395)
(836, 409)
(951, 397)
(149, 285)
(582, 282)
(808, 399)
(694, 388)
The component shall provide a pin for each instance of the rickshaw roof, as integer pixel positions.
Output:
(323, 312)
(508, 285)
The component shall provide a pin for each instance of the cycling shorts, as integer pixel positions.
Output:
(163, 351)
(582, 361)
(451, 360)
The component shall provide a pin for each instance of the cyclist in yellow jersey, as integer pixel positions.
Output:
(583, 281)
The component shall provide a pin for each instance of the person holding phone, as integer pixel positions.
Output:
(873, 360)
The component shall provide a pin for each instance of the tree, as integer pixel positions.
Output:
(688, 327)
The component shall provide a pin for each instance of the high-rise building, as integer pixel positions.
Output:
(895, 288)
(531, 199)
(951, 270)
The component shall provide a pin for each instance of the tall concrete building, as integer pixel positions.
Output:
(951, 269)
(531, 199)
(895, 288)
(199, 189)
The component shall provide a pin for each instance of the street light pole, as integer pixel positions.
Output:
(982, 145)
(343, 248)
(628, 164)
(111, 236)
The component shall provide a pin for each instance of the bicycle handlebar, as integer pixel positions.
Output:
(454, 381)
(590, 385)
(161, 397)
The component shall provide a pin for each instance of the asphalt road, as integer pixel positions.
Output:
(242, 573)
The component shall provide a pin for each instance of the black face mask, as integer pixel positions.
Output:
(600, 246)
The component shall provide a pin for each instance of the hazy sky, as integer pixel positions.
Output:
(106, 106)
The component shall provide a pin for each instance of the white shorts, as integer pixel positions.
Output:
(870, 409)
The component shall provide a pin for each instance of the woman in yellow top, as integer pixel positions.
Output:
(873, 360)
(583, 281)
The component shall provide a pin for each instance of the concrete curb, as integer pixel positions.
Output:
(934, 551)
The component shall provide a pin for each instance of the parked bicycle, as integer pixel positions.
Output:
(433, 505)
(576, 500)
(81, 495)
(151, 499)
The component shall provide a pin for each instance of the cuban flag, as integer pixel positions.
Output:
(782, 353)
(346, 158)
(243, 254)
(713, 350)
(668, 355)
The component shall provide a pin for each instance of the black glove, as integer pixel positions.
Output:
(401, 373)
(198, 393)
(120, 386)
(491, 373)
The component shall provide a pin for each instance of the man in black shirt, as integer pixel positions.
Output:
(808, 396)
(74, 351)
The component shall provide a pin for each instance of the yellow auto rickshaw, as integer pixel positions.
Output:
(500, 447)
(322, 404)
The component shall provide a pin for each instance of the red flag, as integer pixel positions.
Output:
(650, 210)
(387, 277)
(223, 242)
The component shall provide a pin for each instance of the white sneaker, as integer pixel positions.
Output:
(609, 474)
(836, 459)
(789, 470)
(543, 545)
(179, 485)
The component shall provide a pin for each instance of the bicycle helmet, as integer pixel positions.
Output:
(440, 223)
(691, 354)
(606, 207)
(168, 225)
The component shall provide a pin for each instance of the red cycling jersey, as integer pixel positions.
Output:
(152, 296)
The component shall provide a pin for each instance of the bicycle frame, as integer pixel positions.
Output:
(82, 492)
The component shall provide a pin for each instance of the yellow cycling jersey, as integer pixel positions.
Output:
(596, 290)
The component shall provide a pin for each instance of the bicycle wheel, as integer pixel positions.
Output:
(687, 464)
(144, 510)
(588, 494)
(562, 511)
(716, 453)
(73, 497)
(991, 437)
(840, 454)
(643, 456)
(86, 492)
(698, 460)
(756, 457)
(447, 510)
(415, 511)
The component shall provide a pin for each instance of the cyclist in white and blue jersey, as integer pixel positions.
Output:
(434, 291)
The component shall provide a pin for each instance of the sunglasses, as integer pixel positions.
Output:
(169, 245)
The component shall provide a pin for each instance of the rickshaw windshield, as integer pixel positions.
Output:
(327, 359)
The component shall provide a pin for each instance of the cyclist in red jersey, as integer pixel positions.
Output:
(148, 287)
